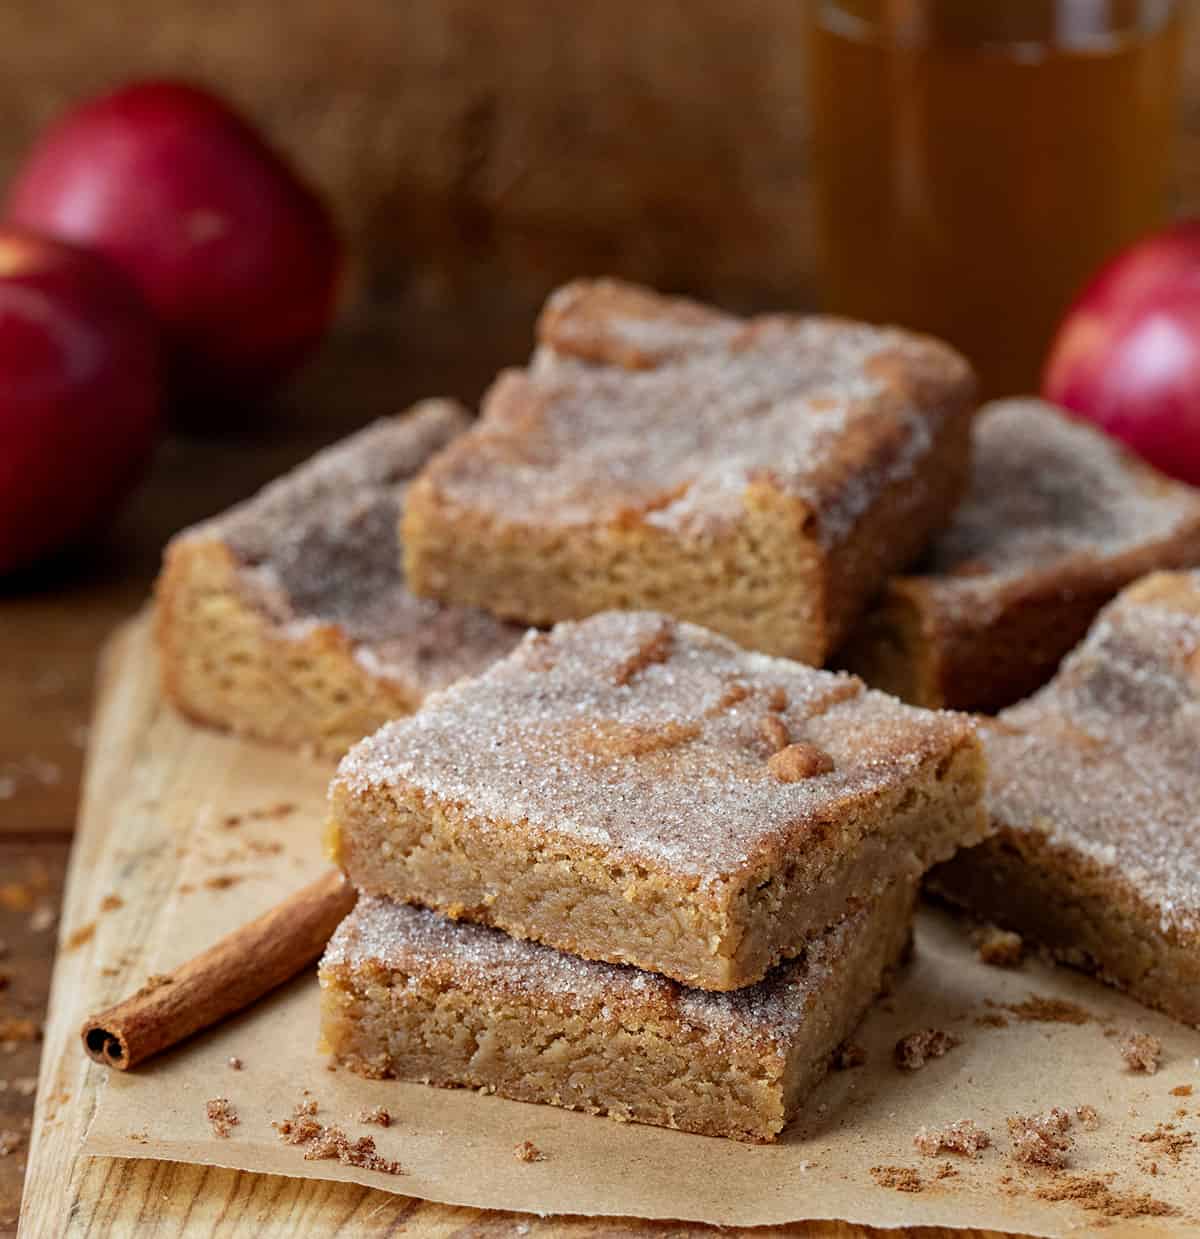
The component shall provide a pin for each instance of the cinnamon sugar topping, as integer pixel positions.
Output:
(320, 545)
(641, 405)
(799, 761)
(666, 768)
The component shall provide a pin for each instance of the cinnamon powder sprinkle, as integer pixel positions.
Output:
(221, 1115)
(918, 1048)
(1040, 1010)
(899, 1178)
(1166, 1140)
(1141, 1053)
(1094, 1192)
(527, 1151)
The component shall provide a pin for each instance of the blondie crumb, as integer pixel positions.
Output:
(221, 1115)
(1089, 1118)
(1141, 1052)
(918, 1048)
(962, 1137)
(900, 1178)
(527, 1151)
(1041, 1139)
(1001, 948)
(849, 1055)
(379, 1116)
(1168, 1140)
(322, 1143)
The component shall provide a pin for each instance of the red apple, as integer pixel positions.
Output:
(237, 256)
(81, 378)
(1127, 355)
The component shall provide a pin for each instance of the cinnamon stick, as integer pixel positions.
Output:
(226, 978)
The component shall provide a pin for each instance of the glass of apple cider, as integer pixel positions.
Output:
(975, 160)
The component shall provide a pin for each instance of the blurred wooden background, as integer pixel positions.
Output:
(479, 153)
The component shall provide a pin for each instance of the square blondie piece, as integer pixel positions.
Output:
(762, 477)
(1057, 520)
(409, 994)
(287, 618)
(1095, 795)
(639, 790)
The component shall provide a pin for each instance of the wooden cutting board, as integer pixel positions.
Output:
(131, 849)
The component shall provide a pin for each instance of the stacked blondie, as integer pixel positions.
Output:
(685, 870)
(633, 867)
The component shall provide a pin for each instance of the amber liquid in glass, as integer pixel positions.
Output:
(975, 160)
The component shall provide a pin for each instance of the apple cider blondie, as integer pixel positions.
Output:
(287, 617)
(760, 476)
(407, 993)
(1094, 790)
(640, 790)
(1058, 518)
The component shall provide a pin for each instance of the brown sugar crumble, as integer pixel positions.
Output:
(1041, 1139)
(1095, 1193)
(899, 1178)
(849, 1055)
(1001, 948)
(1141, 1052)
(221, 1115)
(527, 1151)
(918, 1048)
(1089, 1118)
(962, 1137)
(379, 1116)
(800, 761)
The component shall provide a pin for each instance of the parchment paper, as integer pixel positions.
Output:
(457, 1146)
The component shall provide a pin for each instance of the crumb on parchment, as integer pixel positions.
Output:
(1001, 948)
(1141, 1052)
(962, 1136)
(221, 1115)
(527, 1151)
(1041, 1139)
(918, 1048)
(899, 1178)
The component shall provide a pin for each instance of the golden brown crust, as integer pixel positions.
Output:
(760, 477)
(1093, 787)
(1058, 520)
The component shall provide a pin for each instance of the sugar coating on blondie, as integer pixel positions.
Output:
(407, 993)
(638, 789)
(287, 617)
(760, 476)
(1058, 518)
(1094, 787)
